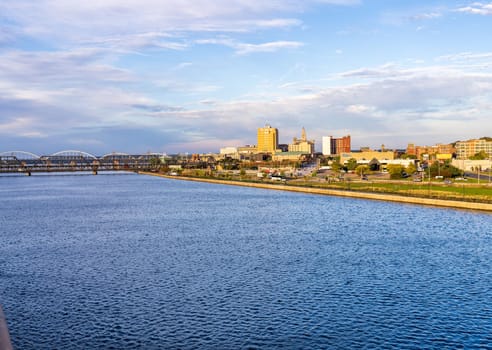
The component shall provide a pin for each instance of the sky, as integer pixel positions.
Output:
(193, 76)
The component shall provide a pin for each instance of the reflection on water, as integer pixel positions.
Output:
(132, 262)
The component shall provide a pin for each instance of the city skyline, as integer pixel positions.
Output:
(194, 76)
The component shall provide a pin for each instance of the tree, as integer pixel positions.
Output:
(229, 163)
(155, 163)
(482, 155)
(408, 156)
(361, 170)
(323, 161)
(410, 169)
(351, 164)
(336, 166)
(396, 171)
(445, 169)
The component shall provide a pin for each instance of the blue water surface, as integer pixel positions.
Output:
(138, 262)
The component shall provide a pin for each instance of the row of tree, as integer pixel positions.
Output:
(444, 169)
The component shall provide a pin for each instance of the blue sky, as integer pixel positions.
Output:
(196, 75)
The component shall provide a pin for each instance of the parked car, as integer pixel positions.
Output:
(277, 178)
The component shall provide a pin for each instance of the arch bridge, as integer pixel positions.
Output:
(74, 160)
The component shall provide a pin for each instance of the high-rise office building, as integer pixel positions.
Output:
(267, 139)
(342, 144)
(335, 146)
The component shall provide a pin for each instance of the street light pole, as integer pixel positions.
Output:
(490, 166)
(429, 189)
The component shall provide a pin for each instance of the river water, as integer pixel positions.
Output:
(138, 262)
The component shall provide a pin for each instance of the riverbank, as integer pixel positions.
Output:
(340, 193)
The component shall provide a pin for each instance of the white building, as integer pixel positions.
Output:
(326, 145)
(472, 165)
(228, 150)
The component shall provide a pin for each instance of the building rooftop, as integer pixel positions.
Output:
(290, 153)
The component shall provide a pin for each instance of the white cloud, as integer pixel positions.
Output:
(410, 15)
(388, 69)
(465, 56)
(414, 105)
(48, 92)
(186, 87)
(360, 109)
(425, 16)
(6, 35)
(125, 42)
(246, 48)
(181, 66)
(243, 49)
(218, 41)
(59, 20)
(62, 67)
(15, 125)
(81, 92)
(477, 8)
(208, 102)
(396, 105)
(277, 23)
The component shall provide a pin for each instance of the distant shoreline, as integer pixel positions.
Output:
(484, 207)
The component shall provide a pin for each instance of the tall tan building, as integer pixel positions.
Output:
(367, 155)
(302, 145)
(466, 149)
(267, 139)
(432, 151)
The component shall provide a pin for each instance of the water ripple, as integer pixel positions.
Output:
(143, 263)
